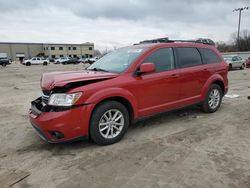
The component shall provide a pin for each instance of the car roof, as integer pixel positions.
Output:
(173, 44)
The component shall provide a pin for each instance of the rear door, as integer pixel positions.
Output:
(39, 60)
(240, 61)
(236, 63)
(193, 74)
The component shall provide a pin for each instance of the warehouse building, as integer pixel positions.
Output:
(18, 51)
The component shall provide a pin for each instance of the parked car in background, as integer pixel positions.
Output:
(61, 60)
(82, 60)
(234, 61)
(4, 61)
(71, 61)
(52, 60)
(35, 61)
(126, 85)
(91, 60)
(248, 62)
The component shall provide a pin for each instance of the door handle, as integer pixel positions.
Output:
(174, 75)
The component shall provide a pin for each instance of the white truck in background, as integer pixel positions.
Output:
(35, 61)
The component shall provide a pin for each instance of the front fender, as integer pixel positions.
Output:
(114, 92)
(208, 83)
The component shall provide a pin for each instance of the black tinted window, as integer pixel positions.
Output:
(188, 57)
(163, 59)
(208, 56)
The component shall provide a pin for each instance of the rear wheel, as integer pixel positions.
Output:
(45, 63)
(109, 123)
(213, 99)
(242, 66)
(230, 67)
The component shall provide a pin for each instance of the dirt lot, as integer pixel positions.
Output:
(185, 148)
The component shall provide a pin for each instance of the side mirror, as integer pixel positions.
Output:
(146, 68)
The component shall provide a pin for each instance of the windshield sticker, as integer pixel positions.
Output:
(135, 50)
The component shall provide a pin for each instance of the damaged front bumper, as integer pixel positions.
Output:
(60, 124)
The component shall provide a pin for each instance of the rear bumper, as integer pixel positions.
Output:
(61, 126)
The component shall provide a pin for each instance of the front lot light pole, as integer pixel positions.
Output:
(238, 34)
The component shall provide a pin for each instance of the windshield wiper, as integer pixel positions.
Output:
(98, 69)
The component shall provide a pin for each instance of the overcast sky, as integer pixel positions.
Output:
(116, 23)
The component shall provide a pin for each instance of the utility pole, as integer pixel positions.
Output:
(238, 33)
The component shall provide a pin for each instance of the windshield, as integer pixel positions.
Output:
(117, 61)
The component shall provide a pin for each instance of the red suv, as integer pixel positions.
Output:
(126, 85)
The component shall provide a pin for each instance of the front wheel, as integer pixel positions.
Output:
(4, 64)
(242, 66)
(109, 123)
(213, 99)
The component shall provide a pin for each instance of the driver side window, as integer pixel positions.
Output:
(163, 59)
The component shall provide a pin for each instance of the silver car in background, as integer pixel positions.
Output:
(234, 61)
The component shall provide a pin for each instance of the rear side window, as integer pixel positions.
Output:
(239, 58)
(209, 56)
(188, 57)
(163, 59)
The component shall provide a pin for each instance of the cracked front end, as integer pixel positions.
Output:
(60, 124)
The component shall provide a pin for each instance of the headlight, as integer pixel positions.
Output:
(62, 99)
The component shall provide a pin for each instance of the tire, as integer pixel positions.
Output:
(45, 63)
(4, 64)
(57, 62)
(230, 67)
(213, 99)
(242, 66)
(106, 132)
(28, 64)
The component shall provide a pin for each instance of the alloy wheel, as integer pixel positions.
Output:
(111, 123)
(214, 99)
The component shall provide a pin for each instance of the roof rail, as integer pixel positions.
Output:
(159, 40)
(166, 40)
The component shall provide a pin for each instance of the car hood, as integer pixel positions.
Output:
(60, 79)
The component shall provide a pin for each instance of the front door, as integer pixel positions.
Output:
(156, 92)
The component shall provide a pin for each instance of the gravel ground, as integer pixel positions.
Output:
(185, 148)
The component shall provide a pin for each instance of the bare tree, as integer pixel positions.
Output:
(244, 43)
